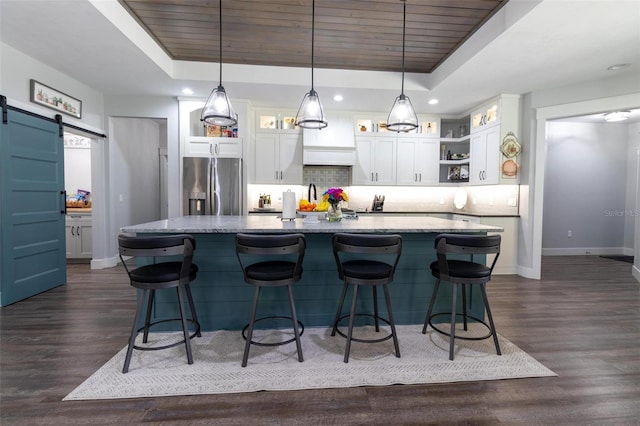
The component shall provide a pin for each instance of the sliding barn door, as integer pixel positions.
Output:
(32, 207)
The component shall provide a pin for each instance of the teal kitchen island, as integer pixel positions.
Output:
(223, 300)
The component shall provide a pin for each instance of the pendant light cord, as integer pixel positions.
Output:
(313, 25)
(220, 38)
(404, 24)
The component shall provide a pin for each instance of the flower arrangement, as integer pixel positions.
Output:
(335, 195)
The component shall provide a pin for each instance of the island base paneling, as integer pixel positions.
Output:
(223, 300)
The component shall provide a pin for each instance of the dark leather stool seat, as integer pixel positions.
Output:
(377, 257)
(284, 254)
(465, 272)
(159, 276)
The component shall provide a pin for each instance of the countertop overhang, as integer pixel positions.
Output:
(269, 224)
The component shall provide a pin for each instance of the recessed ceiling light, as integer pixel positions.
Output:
(338, 98)
(433, 101)
(187, 91)
(617, 67)
(616, 116)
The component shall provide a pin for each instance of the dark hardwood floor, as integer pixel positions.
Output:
(582, 320)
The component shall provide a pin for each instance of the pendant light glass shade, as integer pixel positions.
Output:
(218, 109)
(311, 114)
(402, 117)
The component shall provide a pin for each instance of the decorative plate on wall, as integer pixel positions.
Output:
(510, 146)
(510, 168)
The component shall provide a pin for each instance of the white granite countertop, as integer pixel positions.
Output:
(259, 223)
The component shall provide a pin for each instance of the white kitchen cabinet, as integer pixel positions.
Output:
(375, 160)
(79, 236)
(485, 156)
(198, 140)
(493, 123)
(418, 160)
(278, 158)
(201, 146)
(276, 121)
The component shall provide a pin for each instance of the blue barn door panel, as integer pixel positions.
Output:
(32, 219)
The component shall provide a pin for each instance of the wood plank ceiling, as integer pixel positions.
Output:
(349, 34)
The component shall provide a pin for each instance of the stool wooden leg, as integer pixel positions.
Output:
(340, 305)
(452, 337)
(252, 321)
(391, 321)
(375, 307)
(294, 320)
(134, 331)
(431, 303)
(351, 319)
(192, 308)
(147, 321)
(493, 327)
(185, 327)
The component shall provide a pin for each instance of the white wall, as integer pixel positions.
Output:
(16, 69)
(622, 92)
(632, 210)
(585, 188)
(634, 156)
(162, 110)
(135, 185)
(77, 170)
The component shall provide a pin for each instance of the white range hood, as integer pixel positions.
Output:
(331, 146)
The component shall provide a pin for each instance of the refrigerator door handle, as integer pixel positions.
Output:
(209, 205)
(216, 189)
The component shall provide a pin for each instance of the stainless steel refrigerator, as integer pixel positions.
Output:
(212, 186)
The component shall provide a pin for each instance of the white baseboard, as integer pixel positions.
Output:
(527, 272)
(505, 270)
(109, 262)
(578, 251)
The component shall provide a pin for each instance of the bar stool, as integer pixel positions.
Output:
(271, 261)
(159, 276)
(463, 272)
(366, 260)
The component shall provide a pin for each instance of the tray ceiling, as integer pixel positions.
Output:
(349, 34)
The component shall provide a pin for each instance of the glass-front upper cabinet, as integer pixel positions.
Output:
(486, 115)
(273, 120)
(375, 123)
(197, 127)
(200, 139)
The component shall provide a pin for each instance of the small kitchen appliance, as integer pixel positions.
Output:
(378, 203)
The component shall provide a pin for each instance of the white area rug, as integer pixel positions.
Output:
(217, 357)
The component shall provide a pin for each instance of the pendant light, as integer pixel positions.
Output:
(218, 109)
(402, 117)
(311, 114)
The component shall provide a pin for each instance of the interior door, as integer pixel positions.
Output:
(32, 207)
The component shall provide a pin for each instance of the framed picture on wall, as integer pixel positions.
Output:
(54, 99)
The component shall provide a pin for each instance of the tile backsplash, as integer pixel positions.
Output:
(326, 176)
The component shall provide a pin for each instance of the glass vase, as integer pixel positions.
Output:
(334, 213)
